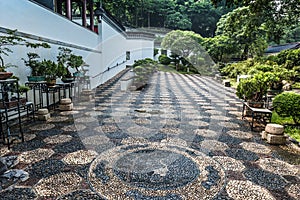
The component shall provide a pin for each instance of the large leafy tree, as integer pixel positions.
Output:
(204, 17)
(245, 31)
(199, 16)
(276, 15)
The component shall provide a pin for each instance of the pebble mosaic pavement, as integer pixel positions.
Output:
(181, 137)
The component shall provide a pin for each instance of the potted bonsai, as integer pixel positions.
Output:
(70, 62)
(11, 39)
(5, 41)
(254, 89)
(37, 68)
(52, 71)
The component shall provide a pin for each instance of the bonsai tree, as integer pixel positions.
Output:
(254, 89)
(11, 39)
(5, 42)
(52, 70)
(37, 69)
(69, 61)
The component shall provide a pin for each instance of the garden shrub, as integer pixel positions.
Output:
(234, 69)
(164, 59)
(288, 104)
(145, 61)
(289, 58)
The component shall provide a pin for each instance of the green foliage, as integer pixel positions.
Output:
(198, 16)
(143, 69)
(288, 104)
(185, 47)
(289, 58)
(244, 31)
(164, 59)
(5, 42)
(293, 132)
(23, 89)
(275, 16)
(234, 69)
(37, 69)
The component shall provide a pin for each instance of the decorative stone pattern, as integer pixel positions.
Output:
(206, 133)
(109, 173)
(58, 119)
(81, 194)
(230, 163)
(41, 127)
(278, 167)
(198, 123)
(74, 128)
(80, 157)
(58, 184)
(294, 191)
(213, 145)
(240, 134)
(245, 190)
(35, 155)
(56, 139)
(256, 148)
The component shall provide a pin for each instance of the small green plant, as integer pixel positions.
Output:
(23, 89)
(288, 104)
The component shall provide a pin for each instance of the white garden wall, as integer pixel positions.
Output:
(103, 51)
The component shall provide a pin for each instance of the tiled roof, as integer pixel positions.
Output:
(277, 49)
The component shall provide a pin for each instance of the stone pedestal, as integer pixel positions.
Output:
(43, 114)
(274, 134)
(86, 95)
(66, 104)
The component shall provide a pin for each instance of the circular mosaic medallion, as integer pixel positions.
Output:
(156, 171)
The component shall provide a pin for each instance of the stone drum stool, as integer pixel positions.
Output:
(43, 114)
(66, 104)
(274, 134)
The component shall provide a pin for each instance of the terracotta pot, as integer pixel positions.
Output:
(5, 75)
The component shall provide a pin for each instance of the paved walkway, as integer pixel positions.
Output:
(182, 137)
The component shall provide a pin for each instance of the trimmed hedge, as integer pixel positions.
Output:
(288, 104)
